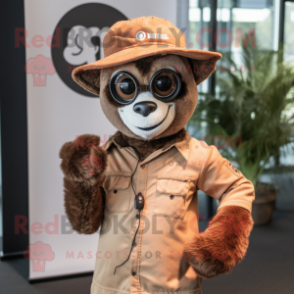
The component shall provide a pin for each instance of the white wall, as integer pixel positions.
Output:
(57, 114)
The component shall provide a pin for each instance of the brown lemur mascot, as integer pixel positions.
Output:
(141, 187)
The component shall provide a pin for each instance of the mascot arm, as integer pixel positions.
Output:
(224, 243)
(83, 164)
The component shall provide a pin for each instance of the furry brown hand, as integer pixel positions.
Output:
(83, 159)
(83, 164)
(223, 244)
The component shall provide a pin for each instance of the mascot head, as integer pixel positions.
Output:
(147, 82)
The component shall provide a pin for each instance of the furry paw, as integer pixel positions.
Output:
(222, 245)
(83, 159)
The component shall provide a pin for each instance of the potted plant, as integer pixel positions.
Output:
(252, 107)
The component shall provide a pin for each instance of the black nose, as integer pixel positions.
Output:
(145, 107)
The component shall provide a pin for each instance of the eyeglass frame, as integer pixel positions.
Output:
(143, 88)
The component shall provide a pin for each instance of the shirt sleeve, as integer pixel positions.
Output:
(221, 180)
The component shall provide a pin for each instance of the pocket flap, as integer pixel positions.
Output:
(173, 186)
(117, 182)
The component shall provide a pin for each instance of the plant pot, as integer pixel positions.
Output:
(264, 203)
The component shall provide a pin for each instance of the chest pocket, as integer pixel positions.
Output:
(171, 196)
(117, 188)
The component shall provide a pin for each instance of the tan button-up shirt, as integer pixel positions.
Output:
(169, 180)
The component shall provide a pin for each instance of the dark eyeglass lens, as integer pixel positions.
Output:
(164, 84)
(125, 87)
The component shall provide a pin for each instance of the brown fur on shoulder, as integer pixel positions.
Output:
(145, 147)
(222, 245)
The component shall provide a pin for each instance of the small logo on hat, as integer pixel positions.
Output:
(140, 35)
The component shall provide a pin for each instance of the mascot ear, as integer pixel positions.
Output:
(89, 79)
(202, 69)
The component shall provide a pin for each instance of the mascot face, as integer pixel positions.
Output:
(150, 98)
(147, 117)
(147, 83)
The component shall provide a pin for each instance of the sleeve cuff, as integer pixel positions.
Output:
(241, 203)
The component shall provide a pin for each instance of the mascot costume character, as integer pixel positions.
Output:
(140, 188)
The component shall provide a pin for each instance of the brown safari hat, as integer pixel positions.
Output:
(141, 37)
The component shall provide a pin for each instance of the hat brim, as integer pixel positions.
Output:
(134, 53)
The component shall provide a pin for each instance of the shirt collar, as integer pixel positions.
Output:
(183, 147)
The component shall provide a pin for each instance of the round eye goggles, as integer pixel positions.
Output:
(164, 85)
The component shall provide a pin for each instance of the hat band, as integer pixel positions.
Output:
(146, 44)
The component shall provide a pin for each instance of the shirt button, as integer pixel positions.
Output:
(114, 191)
(134, 273)
(134, 244)
(137, 216)
(171, 197)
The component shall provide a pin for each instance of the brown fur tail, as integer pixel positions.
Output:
(223, 244)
